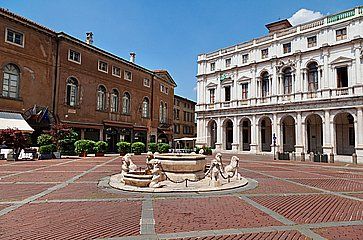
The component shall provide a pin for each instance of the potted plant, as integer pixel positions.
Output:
(163, 147)
(137, 148)
(46, 151)
(61, 132)
(153, 147)
(83, 147)
(100, 148)
(123, 147)
(66, 144)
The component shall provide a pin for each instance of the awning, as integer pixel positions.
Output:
(185, 139)
(14, 121)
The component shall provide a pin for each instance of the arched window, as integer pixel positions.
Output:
(161, 112)
(145, 108)
(72, 91)
(114, 100)
(265, 84)
(287, 77)
(126, 103)
(313, 77)
(101, 98)
(165, 112)
(11, 81)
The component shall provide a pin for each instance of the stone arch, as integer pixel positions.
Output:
(265, 130)
(288, 133)
(314, 133)
(345, 137)
(227, 133)
(245, 134)
(212, 129)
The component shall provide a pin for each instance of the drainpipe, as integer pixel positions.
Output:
(56, 80)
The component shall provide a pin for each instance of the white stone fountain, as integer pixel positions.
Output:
(178, 173)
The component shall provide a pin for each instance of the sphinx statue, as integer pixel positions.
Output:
(157, 173)
(231, 170)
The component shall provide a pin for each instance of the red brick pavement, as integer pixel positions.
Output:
(83, 191)
(86, 220)
(342, 233)
(338, 185)
(294, 174)
(12, 192)
(262, 236)
(94, 176)
(278, 186)
(313, 208)
(180, 215)
(41, 177)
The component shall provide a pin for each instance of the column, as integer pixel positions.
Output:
(359, 139)
(358, 77)
(274, 85)
(276, 130)
(201, 138)
(101, 134)
(325, 80)
(299, 135)
(253, 88)
(82, 133)
(297, 83)
(219, 134)
(327, 147)
(235, 143)
(254, 137)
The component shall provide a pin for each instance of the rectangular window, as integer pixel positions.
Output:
(128, 75)
(286, 47)
(116, 71)
(341, 34)
(14, 37)
(227, 94)
(264, 53)
(74, 56)
(164, 89)
(212, 66)
(342, 77)
(146, 82)
(211, 96)
(244, 58)
(244, 91)
(312, 41)
(228, 62)
(102, 66)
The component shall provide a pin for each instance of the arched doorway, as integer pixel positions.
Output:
(212, 134)
(344, 134)
(246, 134)
(228, 131)
(288, 134)
(314, 131)
(266, 134)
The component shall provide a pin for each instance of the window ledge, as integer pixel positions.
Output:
(19, 99)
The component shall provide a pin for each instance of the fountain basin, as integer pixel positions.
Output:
(137, 179)
(179, 167)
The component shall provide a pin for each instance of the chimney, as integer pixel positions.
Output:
(89, 38)
(132, 57)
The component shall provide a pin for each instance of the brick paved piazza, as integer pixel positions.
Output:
(65, 199)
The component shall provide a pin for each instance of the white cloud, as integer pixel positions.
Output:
(303, 16)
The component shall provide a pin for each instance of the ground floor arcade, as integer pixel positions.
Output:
(330, 131)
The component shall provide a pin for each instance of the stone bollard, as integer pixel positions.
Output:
(302, 157)
(311, 157)
(354, 158)
(331, 159)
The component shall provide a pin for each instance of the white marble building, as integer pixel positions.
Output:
(302, 84)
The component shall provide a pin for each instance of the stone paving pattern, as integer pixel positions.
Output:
(65, 199)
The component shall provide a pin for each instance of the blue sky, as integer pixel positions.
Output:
(167, 34)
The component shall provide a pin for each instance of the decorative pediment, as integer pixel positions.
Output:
(227, 81)
(243, 79)
(211, 85)
(280, 65)
(340, 60)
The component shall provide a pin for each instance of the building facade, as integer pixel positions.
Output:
(301, 86)
(184, 121)
(53, 78)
